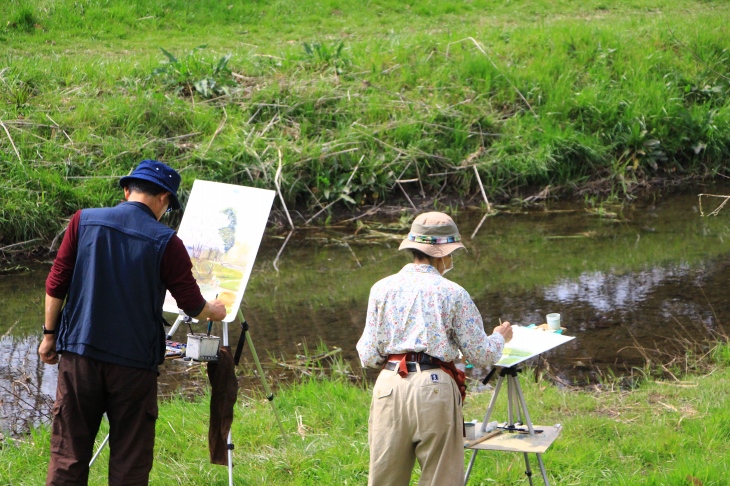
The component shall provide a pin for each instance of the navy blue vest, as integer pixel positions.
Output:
(113, 310)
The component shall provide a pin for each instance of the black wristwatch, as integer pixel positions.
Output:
(48, 331)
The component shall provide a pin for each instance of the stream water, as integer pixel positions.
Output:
(648, 275)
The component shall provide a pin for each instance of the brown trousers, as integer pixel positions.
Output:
(416, 417)
(86, 389)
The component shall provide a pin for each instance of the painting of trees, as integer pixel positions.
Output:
(228, 233)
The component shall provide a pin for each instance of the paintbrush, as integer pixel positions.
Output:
(481, 439)
(210, 323)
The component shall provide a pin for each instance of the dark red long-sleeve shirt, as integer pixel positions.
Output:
(175, 271)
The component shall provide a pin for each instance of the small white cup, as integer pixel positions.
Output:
(470, 430)
(553, 321)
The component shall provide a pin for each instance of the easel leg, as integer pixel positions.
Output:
(487, 415)
(528, 421)
(269, 395)
(511, 400)
(523, 403)
(230, 459)
(101, 447)
(176, 324)
(492, 402)
(542, 470)
(528, 470)
(471, 464)
(229, 441)
(517, 414)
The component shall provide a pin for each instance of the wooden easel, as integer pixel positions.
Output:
(517, 435)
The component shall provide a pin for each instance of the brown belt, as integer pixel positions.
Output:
(413, 357)
(400, 361)
(410, 366)
(406, 363)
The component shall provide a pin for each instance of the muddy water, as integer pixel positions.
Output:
(652, 274)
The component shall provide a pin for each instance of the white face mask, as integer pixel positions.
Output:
(451, 266)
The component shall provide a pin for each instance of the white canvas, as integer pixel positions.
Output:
(222, 229)
(527, 343)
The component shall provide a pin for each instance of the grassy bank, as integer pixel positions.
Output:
(580, 96)
(660, 432)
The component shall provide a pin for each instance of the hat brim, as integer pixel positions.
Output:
(436, 251)
(174, 203)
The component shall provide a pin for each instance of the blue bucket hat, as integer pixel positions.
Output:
(158, 173)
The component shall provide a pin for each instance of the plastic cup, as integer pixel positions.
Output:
(553, 321)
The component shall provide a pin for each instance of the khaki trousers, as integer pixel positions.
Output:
(416, 417)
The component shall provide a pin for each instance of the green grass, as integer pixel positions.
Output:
(355, 96)
(657, 433)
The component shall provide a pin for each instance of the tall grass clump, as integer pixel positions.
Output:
(578, 98)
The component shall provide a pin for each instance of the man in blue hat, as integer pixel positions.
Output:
(112, 270)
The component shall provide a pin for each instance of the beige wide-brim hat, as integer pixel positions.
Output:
(435, 234)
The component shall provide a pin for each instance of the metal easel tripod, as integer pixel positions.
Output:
(237, 357)
(245, 337)
(516, 409)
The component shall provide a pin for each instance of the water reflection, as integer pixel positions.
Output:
(27, 387)
(605, 292)
(643, 276)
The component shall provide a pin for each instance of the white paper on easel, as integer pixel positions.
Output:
(222, 229)
(527, 343)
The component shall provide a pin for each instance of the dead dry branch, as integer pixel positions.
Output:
(277, 182)
(717, 210)
(281, 250)
(12, 143)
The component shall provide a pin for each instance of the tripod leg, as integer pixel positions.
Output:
(471, 464)
(542, 470)
(528, 471)
(511, 400)
(487, 415)
(523, 404)
(528, 422)
(101, 447)
(516, 403)
(230, 460)
(491, 404)
(269, 395)
(174, 327)
(229, 441)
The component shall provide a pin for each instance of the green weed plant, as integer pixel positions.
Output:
(192, 74)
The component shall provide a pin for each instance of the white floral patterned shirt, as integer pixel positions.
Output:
(418, 310)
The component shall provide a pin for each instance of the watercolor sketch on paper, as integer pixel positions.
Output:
(222, 229)
(527, 343)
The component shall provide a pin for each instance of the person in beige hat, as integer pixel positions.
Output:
(417, 323)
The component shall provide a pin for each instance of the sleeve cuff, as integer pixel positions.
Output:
(499, 337)
(196, 311)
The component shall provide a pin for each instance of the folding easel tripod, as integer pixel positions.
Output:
(269, 395)
(530, 439)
